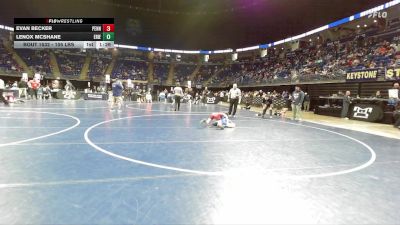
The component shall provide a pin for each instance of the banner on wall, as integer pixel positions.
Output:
(72, 95)
(392, 73)
(25, 77)
(362, 75)
(95, 96)
(366, 112)
(211, 99)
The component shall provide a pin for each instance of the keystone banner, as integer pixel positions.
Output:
(362, 75)
(392, 73)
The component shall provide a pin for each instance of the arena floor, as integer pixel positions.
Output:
(75, 162)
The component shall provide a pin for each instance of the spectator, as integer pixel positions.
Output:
(178, 93)
(22, 88)
(306, 102)
(197, 98)
(117, 90)
(149, 97)
(393, 100)
(346, 105)
(14, 86)
(40, 93)
(267, 105)
(34, 85)
(378, 94)
(2, 87)
(297, 102)
(46, 92)
(161, 96)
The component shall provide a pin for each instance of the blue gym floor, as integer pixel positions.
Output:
(75, 162)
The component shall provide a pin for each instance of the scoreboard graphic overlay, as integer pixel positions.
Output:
(64, 32)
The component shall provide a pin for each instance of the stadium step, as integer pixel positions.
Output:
(112, 63)
(85, 68)
(150, 74)
(208, 81)
(196, 70)
(170, 79)
(55, 69)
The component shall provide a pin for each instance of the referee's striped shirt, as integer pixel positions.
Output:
(234, 94)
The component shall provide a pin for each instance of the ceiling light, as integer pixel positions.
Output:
(365, 25)
(358, 26)
(375, 21)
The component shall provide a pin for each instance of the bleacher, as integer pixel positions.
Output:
(319, 62)
(129, 69)
(206, 72)
(161, 71)
(37, 60)
(98, 65)
(7, 63)
(70, 64)
(183, 72)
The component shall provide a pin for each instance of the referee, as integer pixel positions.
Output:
(178, 93)
(234, 98)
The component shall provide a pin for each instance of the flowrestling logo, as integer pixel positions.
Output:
(378, 15)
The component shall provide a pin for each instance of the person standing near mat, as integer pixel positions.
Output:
(297, 103)
(2, 87)
(267, 105)
(203, 97)
(234, 98)
(22, 88)
(306, 102)
(346, 105)
(178, 93)
(34, 85)
(117, 90)
(393, 100)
